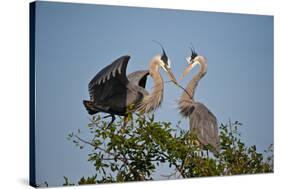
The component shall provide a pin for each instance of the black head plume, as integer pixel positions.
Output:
(164, 56)
(193, 54)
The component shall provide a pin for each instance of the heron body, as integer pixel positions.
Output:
(202, 121)
(113, 92)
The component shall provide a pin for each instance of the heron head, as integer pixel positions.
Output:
(193, 57)
(165, 63)
(192, 61)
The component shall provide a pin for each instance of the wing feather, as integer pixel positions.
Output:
(204, 124)
(111, 79)
(139, 78)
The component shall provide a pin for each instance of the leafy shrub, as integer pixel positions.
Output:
(135, 151)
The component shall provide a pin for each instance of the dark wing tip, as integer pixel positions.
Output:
(125, 57)
(116, 67)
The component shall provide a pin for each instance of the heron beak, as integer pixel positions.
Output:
(170, 75)
(187, 70)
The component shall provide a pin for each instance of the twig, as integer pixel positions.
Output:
(172, 174)
(124, 159)
(173, 163)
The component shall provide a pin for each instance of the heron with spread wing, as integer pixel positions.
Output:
(202, 121)
(113, 92)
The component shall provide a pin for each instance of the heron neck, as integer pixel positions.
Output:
(154, 99)
(191, 86)
(158, 88)
(186, 101)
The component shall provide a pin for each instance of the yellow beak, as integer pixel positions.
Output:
(186, 71)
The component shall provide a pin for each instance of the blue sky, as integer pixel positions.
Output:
(75, 41)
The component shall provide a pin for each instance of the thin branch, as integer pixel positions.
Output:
(97, 147)
(84, 141)
(172, 174)
(183, 166)
(111, 159)
(123, 158)
(173, 163)
(134, 172)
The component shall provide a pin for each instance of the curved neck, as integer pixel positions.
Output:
(154, 99)
(186, 101)
(191, 86)
(194, 82)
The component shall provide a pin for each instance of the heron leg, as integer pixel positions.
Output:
(126, 120)
(107, 116)
(112, 119)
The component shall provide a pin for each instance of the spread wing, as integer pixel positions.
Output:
(204, 124)
(139, 78)
(110, 80)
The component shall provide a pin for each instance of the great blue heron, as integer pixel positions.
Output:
(202, 121)
(112, 92)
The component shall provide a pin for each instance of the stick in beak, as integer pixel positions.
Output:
(171, 75)
(173, 79)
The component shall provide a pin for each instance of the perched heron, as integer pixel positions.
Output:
(113, 92)
(202, 121)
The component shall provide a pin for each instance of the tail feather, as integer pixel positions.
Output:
(89, 105)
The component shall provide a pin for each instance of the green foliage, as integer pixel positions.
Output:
(66, 182)
(135, 151)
